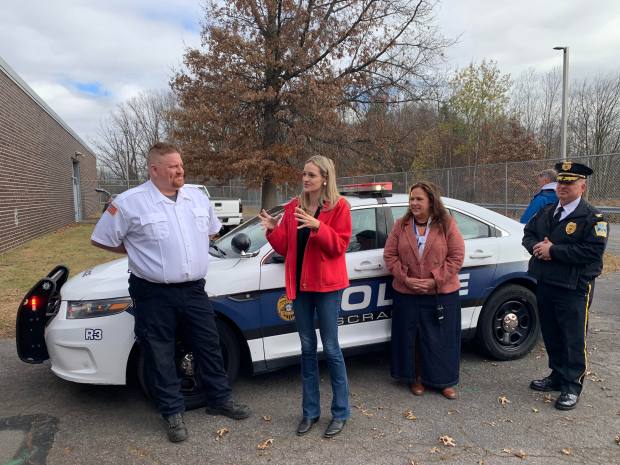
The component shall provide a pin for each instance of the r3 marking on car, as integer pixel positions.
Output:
(93, 334)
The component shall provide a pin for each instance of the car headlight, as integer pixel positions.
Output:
(95, 308)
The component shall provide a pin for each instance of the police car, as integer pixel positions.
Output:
(85, 325)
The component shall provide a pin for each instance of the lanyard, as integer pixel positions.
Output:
(421, 239)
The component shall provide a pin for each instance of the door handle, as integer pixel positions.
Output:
(480, 254)
(366, 266)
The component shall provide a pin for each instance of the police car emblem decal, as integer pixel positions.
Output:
(571, 227)
(600, 229)
(285, 308)
(566, 166)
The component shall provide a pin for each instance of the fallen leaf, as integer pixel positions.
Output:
(618, 439)
(266, 444)
(413, 462)
(408, 414)
(480, 462)
(221, 432)
(267, 417)
(535, 410)
(567, 451)
(547, 399)
(520, 454)
(447, 441)
(434, 450)
(452, 412)
(503, 400)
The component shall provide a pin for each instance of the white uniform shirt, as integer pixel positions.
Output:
(166, 241)
(568, 208)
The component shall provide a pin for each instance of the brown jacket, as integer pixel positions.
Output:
(441, 260)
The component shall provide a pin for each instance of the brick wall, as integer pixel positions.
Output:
(36, 164)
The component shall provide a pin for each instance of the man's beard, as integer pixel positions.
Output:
(177, 183)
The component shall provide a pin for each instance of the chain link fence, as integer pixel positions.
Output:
(504, 187)
(508, 187)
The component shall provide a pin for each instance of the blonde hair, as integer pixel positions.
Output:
(329, 192)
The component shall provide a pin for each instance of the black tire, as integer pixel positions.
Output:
(499, 334)
(193, 393)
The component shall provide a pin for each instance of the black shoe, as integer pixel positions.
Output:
(230, 409)
(566, 401)
(177, 431)
(334, 427)
(305, 425)
(545, 385)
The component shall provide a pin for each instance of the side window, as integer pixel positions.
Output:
(398, 211)
(364, 230)
(470, 227)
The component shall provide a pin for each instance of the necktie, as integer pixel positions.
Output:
(557, 215)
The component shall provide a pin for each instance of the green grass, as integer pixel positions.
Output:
(23, 266)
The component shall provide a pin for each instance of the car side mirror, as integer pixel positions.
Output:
(241, 243)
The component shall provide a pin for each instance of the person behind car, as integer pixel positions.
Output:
(313, 236)
(567, 241)
(424, 252)
(546, 194)
(164, 228)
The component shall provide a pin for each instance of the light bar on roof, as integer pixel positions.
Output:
(367, 188)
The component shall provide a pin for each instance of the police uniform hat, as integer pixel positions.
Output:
(569, 171)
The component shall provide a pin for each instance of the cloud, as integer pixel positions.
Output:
(85, 57)
(520, 35)
(96, 54)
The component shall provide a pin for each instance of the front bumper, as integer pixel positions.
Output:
(92, 350)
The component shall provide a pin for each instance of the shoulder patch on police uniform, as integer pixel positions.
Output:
(600, 229)
(571, 227)
(112, 209)
(598, 215)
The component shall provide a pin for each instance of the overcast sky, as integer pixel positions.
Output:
(83, 57)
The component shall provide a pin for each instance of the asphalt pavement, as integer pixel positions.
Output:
(496, 420)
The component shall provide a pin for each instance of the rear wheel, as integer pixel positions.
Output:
(508, 326)
(193, 393)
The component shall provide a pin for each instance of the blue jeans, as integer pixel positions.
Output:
(326, 305)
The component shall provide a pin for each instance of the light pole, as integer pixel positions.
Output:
(564, 98)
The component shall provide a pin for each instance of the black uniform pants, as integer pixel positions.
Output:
(564, 323)
(159, 308)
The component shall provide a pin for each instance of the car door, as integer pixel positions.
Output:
(366, 304)
(481, 255)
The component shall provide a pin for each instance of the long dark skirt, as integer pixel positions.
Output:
(439, 342)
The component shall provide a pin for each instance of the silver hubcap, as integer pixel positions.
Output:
(510, 323)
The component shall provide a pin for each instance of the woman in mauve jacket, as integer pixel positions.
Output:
(313, 235)
(424, 252)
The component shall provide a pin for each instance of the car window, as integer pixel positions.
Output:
(398, 211)
(364, 230)
(252, 228)
(470, 228)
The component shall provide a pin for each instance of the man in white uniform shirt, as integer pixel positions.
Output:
(164, 229)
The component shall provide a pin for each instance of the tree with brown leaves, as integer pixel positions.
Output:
(279, 80)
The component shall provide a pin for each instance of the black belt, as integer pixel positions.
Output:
(183, 284)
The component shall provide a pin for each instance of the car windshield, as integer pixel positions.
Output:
(222, 247)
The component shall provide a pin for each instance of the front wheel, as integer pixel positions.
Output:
(193, 393)
(508, 326)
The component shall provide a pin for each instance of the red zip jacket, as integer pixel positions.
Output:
(324, 268)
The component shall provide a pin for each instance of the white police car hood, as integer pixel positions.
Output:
(110, 280)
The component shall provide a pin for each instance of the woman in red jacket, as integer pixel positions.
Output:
(424, 252)
(313, 236)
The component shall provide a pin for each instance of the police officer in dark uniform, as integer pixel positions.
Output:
(567, 241)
